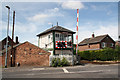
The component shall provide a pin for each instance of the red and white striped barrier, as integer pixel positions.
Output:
(77, 31)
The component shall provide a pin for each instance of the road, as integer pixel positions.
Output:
(86, 71)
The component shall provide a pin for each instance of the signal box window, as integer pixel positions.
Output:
(56, 35)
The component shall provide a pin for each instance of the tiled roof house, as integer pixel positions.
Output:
(96, 43)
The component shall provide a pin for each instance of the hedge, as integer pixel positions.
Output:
(106, 54)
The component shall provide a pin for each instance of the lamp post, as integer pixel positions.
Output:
(7, 36)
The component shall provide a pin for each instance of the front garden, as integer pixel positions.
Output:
(106, 54)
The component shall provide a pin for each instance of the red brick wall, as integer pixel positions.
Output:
(91, 46)
(8, 59)
(108, 40)
(3, 42)
(27, 54)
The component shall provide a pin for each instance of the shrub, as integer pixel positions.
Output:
(64, 62)
(56, 62)
(106, 54)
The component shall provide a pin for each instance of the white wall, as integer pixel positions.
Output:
(70, 58)
(45, 40)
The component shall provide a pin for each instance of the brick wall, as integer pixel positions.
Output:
(3, 43)
(28, 54)
(8, 58)
(108, 42)
(86, 47)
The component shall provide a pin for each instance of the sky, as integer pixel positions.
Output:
(32, 18)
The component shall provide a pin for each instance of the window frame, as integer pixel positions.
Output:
(103, 44)
(111, 45)
(48, 36)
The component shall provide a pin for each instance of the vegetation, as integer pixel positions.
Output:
(48, 49)
(106, 54)
(56, 62)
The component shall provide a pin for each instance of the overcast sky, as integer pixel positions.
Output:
(34, 18)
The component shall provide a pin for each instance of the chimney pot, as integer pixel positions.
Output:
(17, 40)
(57, 23)
(93, 35)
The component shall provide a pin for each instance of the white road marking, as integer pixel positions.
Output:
(38, 68)
(65, 70)
(98, 65)
(90, 71)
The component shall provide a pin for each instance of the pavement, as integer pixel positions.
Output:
(79, 71)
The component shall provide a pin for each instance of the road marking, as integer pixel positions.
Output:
(65, 70)
(38, 68)
(98, 65)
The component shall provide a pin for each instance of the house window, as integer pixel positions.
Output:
(103, 44)
(48, 36)
(111, 44)
(61, 37)
(56, 35)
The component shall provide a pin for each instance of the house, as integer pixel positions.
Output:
(10, 42)
(96, 43)
(59, 40)
(26, 54)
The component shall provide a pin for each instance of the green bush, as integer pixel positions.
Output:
(106, 54)
(56, 62)
(64, 62)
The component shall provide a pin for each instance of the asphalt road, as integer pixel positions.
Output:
(86, 71)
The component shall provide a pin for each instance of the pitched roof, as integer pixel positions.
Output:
(93, 40)
(9, 48)
(56, 28)
(5, 39)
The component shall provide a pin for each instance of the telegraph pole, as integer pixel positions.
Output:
(7, 36)
(12, 53)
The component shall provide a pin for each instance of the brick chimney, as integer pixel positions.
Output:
(93, 35)
(17, 40)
